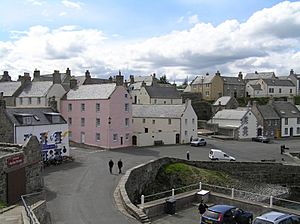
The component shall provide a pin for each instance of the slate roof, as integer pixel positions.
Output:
(232, 80)
(162, 92)
(9, 88)
(36, 89)
(138, 85)
(49, 77)
(143, 78)
(260, 75)
(40, 113)
(93, 91)
(286, 109)
(267, 112)
(230, 114)
(278, 82)
(157, 111)
(206, 79)
(223, 100)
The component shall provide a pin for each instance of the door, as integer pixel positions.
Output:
(291, 132)
(121, 140)
(259, 132)
(177, 138)
(82, 137)
(134, 140)
(16, 185)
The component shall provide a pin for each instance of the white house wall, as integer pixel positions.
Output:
(292, 123)
(166, 101)
(161, 130)
(49, 131)
(189, 125)
(251, 126)
(34, 102)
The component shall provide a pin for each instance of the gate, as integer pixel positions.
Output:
(16, 185)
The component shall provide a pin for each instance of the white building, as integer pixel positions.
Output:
(47, 125)
(239, 123)
(163, 124)
(270, 87)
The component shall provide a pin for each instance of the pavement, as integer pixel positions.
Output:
(12, 215)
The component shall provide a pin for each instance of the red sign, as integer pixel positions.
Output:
(15, 160)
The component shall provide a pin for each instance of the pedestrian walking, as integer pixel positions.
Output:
(111, 165)
(202, 208)
(188, 155)
(120, 165)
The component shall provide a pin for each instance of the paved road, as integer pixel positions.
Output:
(82, 191)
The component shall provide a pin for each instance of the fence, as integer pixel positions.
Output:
(30, 199)
(269, 200)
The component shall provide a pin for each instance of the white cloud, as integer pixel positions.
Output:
(62, 13)
(180, 19)
(268, 40)
(193, 19)
(70, 4)
(36, 2)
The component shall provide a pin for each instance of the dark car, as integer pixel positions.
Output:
(262, 139)
(226, 214)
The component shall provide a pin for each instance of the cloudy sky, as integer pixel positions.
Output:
(179, 38)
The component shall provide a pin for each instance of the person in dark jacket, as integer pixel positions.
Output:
(120, 165)
(111, 165)
(202, 208)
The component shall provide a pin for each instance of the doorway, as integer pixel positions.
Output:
(121, 140)
(291, 132)
(134, 140)
(82, 137)
(177, 139)
(259, 132)
(15, 185)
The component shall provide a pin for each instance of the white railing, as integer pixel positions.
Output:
(233, 193)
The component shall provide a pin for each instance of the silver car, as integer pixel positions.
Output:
(277, 218)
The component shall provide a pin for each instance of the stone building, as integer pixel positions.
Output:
(20, 170)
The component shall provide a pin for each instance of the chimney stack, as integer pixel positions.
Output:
(292, 72)
(68, 72)
(218, 73)
(56, 77)
(131, 77)
(119, 79)
(240, 75)
(25, 78)
(36, 75)
(6, 77)
(73, 83)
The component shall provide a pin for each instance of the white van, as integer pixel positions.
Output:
(217, 154)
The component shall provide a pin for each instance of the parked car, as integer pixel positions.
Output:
(226, 214)
(198, 142)
(277, 218)
(217, 154)
(262, 139)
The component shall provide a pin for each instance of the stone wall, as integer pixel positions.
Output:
(273, 173)
(7, 128)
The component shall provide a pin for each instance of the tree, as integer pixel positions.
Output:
(163, 79)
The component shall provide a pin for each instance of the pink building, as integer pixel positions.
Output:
(99, 114)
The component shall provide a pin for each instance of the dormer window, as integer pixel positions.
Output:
(24, 118)
(53, 117)
(27, 120)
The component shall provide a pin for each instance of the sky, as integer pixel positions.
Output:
(177, 38)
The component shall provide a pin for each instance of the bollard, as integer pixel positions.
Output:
(173, 193)
(142, 201)
(200, 186)
(271, 201)
(232, 193)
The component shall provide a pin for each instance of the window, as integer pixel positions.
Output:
(286, 121)
(207, 85)
(279, 90)
(275, 122)
(126, 95)
(165, 102)
(185, 133)
(169, 121)
(82, 122)
(245, 131)
(286, 131)
(291, 90)
(115, 137)
(298, 120)
(97, 122)
(193, 121)
(21, 101)
(27, 120)
(82, 107)
(29, 100)
(271, 90)
(126, 107)
(127, 136)
(171, 101)
(97, 107)
(185, 121)
(69, 107)
(153, 121)
(144, 120)
(126, 122)
(155, 101)
(207, 93)
(97, 137)
(39, 100)
(146, 130)
(298, 130)
(70, 121)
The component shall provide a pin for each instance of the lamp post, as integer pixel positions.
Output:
(108, 132)
(202, 81)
